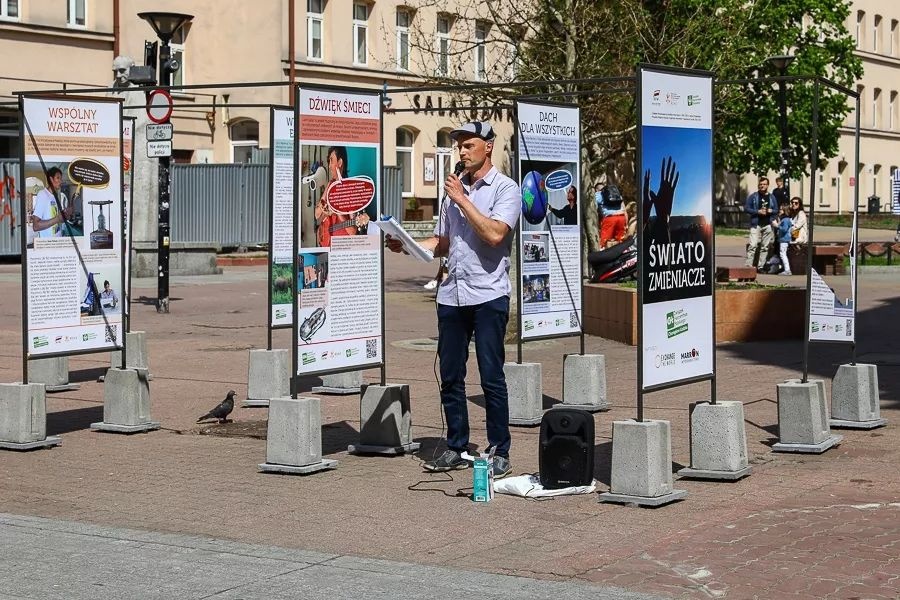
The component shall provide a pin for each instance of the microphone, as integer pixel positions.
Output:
(459, 168)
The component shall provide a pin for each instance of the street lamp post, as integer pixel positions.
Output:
(781, 63)
(166, 25)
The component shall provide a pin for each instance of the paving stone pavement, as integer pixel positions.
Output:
(799, 527)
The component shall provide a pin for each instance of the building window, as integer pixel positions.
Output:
(876, 101)
(481, 32)
(314, 16)
(860, 91)
(405, 141)
(360, 33)
(876, 173)
(9, 9)
(403, 39)
(177, 48)
(892, 110)
(822, 199)
(876, 25)
(244, 140)
(892, 50)
(75, 14)
(860, 31)
(443, 45)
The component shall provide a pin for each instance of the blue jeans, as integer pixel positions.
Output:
(456, 325)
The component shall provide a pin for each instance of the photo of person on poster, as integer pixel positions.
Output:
(46, 219)
(329, 223)
(677, 207)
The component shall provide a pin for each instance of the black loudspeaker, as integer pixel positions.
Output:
(566, 448)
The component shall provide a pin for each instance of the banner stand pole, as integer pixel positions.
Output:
(855, 235)
(814, 156)
(23, 241)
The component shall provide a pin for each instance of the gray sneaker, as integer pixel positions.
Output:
(502, 467)
(450, 460)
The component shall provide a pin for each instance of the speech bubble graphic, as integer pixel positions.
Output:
(558, 180)
(351, 194)
(88, 172)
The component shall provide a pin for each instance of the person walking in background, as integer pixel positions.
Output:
(613, 224)
(761, 207)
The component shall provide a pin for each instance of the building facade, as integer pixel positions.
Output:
(362, 44)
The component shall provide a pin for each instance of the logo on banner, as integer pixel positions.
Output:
(39, 341)
(693, 99)
(307, 358)
(672, 98)
(655, 100)
(665, 360)
(691, 355)
(676, 322)
(528, 325)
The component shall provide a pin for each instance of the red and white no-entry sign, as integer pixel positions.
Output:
(159, 106)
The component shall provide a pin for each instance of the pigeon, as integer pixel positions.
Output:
(221, 411)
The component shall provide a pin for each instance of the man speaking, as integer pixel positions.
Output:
(474, 231)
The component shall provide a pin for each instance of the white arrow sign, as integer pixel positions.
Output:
(159, 149)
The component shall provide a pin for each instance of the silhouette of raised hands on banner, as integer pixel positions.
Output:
(663, 198)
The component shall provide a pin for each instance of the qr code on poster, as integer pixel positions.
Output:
(371, 348)
(573, 320)
(110, 335)
(849, 327)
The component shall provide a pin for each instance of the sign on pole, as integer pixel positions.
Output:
(338, 316)
(159, 106)
(676, 331)
(159, 149)
(550, 248)
(73, 271)
(159, 133)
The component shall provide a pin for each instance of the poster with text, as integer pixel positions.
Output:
(549, 143)
(74, 265)
(830, 319)
(676, 193)
(339, 258)
(282, 226)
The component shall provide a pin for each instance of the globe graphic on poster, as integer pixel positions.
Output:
(534, 198)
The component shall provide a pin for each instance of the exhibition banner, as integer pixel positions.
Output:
(281, 241)
(549, 143)
(339, 259)
(73, 267)
(676, 270)
(830, 320)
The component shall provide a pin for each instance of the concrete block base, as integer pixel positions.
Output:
(526, 393)
(294, 437)
(802, 418)
(23, 416)
(823, 391)
(47, 442)
(385, 421)
(136, 356)
(52, 372)
(641, 470)
(584, 382)
(113, 428)
(718, 442)
(383, 450)
(643, 500)
(340, 384)
(855, 396)
(323, 465)
(819, 448)
(841, 424)
(689, 473)
(269, 375)
(255, 404)
(126, 402)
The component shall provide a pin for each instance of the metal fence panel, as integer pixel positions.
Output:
(392, 192)
(222, 203)
(10, 240)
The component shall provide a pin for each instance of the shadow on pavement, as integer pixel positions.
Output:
(83, 375)
(76, 419)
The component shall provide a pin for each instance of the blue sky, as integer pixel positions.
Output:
(691, 150)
